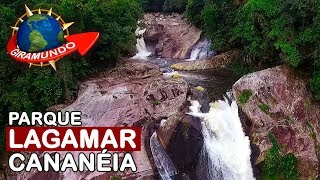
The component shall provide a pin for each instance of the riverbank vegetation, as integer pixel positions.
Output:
(269, 32)
(168, 6)
(277, 166)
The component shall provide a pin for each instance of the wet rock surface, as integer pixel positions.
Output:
(181, 136)
(136, 94)
(290, 114)
(173, 35)
(131, 95)
(132, 92)
(185, 147)
(216, 62)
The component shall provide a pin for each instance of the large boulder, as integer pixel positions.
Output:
(181, 136)
(173, 35)
(132, 95)
(281, 104)
(216, 62)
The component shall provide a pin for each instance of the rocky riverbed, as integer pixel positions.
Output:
(136, 94)
(170, 36)
(142, 93)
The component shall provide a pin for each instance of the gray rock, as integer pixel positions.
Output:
(174, 36)
(132, 93)
(293, 116)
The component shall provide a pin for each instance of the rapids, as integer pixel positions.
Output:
(226, 151)
(165, 166)
(202, 50)
(142, 52)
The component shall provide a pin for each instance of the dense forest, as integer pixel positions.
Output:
(35, 89)
(267, 32)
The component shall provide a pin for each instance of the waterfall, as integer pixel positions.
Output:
(163, 162)
(142, 52)
(202, 50)
(226, 152)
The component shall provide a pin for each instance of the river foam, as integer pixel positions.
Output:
(142, 52)
(226, 152)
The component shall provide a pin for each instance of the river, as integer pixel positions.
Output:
(226, 152)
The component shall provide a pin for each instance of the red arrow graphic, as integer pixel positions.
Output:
(82, 42)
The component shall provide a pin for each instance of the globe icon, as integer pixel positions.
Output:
(38, 33)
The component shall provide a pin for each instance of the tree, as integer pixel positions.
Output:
(218, 19)
(193, 12)
(175, 6)
(35, 89)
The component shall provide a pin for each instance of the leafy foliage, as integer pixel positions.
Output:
(239, 68)
(264, 107)
(152, 5)
(174, 5)
(218, 21)
(164, 5)
(193, 11)
(24, 89)
(216, 18)
(271, 32)
(116, 178)
(35, 89)
(114, 19)
(277, 167)
(245, 96)
(278, 30)
(281, 31)
(315, 85)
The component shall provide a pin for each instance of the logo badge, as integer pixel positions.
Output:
(41, 37)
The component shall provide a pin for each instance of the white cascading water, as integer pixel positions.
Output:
(165, 166)
(202, 50)
(226, 152)
(142, 52)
